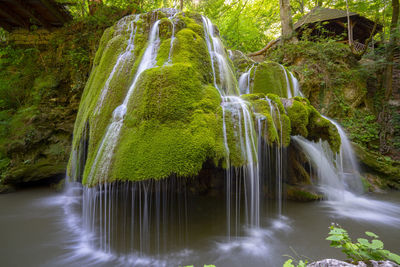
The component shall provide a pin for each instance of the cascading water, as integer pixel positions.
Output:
(295, 85)
(226, 84)
(244, 81)
(336, 186)
(129, 218)
(290, 92)
(171, 19)
(104, 154)
(346, 162)
(122, 58)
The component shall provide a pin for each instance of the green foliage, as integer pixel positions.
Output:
(3, 35)
(18, 69)
(269, 77)
(243, 25)
(363, 249)
(322, 67)
(289, 263)
(363, 128)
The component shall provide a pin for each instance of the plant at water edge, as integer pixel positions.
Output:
(363, 250)
(288, 263)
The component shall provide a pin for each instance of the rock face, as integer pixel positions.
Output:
(337, 263)
(159, 103)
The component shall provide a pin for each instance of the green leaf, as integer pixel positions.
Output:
(288, 263)
(394, 257)
(371, 234)
(335, 238)
(363, 241)
(376, 244)
(336, 231)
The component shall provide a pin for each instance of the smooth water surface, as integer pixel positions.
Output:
(34, 232)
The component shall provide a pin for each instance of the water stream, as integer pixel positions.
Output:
(161, 223)
(48, 240)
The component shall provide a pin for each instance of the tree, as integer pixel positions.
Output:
(286, 20)
(390, 49)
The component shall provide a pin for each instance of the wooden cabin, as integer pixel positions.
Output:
(333, 23)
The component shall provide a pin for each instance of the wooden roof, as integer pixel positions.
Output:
(337, 18)
(26, 13)
(319, 14)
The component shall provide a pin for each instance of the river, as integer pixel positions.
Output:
(35, 232)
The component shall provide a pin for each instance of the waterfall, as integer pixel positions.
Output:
(295, 86)
(227, 84)
(341, 200)
(130, 217)
(239, 112)
(323, 161)
(288, 87)
(247, 176)
(135, 217)
(346, 162)
(122, 58)
(105, 151)
(244, 81)
(171, 19)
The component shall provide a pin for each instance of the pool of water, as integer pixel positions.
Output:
(36, 230)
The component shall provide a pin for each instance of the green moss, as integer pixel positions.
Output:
(301, 194)
(198, 29)
(277, 125)
(35, 170)
(166, 93)
(308, 122)
(298, 114)
(269, 78)
(375, 163)
(172, 126)
(165, 29)
(190, 47)
(252, 97)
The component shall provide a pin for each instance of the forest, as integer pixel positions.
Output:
(200, 132)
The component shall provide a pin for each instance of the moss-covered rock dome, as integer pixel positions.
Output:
(153, 108)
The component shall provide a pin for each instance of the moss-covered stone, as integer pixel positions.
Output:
(308, 122)
(173, 122)
(277, 126)
(385, 168)
(302, 194)
(269, 77)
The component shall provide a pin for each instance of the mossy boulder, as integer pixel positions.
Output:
(269, 78)
(173, 123)
(302, 194)
(383, 167)
(172, 127)
(174, 120)
(287, 117)
(308, 122)
(277, 126)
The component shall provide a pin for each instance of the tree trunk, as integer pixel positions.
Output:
(286, 20)
(181, 1)
(94, 5)
(349, 27)
(390, 50)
